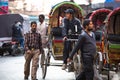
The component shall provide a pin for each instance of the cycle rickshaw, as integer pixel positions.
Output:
(98, 17)
(55, 40)
(113, 40)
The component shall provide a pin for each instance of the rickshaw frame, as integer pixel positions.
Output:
(55, 42)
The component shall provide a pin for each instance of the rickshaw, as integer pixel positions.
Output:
(113, 40)
(98, 17)
(55, 40)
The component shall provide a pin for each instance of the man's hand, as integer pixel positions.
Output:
(28, 51)
(65, 38)
(69, 60)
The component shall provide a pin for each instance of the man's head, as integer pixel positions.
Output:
(88, 25)
(33, 26)
(41, 18)
(69, 13)
(18, 24)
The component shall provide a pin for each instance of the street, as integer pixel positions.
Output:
(12, 68)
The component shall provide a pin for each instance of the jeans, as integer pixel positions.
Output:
(66, 50)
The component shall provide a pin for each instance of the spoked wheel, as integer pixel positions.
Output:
(77, 64)
(44, 63)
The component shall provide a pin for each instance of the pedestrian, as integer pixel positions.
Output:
(42, 29)
(71, 25)
(33, 46)
(18, 33)
(87, 45)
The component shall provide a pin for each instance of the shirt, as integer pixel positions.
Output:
(42, 30)
(33, 40)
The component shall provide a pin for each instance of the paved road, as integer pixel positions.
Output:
(11, 68)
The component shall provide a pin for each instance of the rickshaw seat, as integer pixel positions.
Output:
(57, 31)
(58, 39)
(98, 35)
(113, 37)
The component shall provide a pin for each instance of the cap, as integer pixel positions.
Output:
(71, 11)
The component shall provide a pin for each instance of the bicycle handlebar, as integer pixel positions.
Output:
(72, 40)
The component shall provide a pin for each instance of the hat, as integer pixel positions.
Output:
(71, 11)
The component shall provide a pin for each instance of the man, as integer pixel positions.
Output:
(42, 29)
(33, 47)
(17, 33)
(71, 25)
(87, 45)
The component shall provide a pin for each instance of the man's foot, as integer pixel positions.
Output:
(64, 66)
(34, 79)
(25, 78)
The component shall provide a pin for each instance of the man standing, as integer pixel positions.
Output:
(71, 25)
(33, 47)
(42, 29)
(87, 45)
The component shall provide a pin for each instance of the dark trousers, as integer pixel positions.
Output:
(87, 72)
(66, 50)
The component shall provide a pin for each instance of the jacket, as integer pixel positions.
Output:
(70, 25)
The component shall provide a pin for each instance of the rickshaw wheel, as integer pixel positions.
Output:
(44, 65)
(77, 64)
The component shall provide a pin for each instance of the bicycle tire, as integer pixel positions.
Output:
(44, 65)
(77, 64)
(44, 69)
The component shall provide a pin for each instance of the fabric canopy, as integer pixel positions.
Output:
(6, 22)
(55, 7)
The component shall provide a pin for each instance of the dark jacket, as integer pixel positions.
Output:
(16, 32)
(86, 44)
(70, 25)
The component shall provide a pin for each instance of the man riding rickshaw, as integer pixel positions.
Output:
(55, 29)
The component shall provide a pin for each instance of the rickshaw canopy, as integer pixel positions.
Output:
(57, 13)
(114, 12)
(66, 3)
(113, 20)
(98, 16)
(6, 22)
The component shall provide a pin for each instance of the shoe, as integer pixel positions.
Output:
(25, 78)
(34, 79)
(64, 66)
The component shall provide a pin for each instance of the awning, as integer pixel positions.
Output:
(55, 7)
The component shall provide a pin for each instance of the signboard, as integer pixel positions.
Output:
(3, 6)
(117, 0)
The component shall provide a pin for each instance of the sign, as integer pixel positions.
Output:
(117, 0)
(3, 6)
